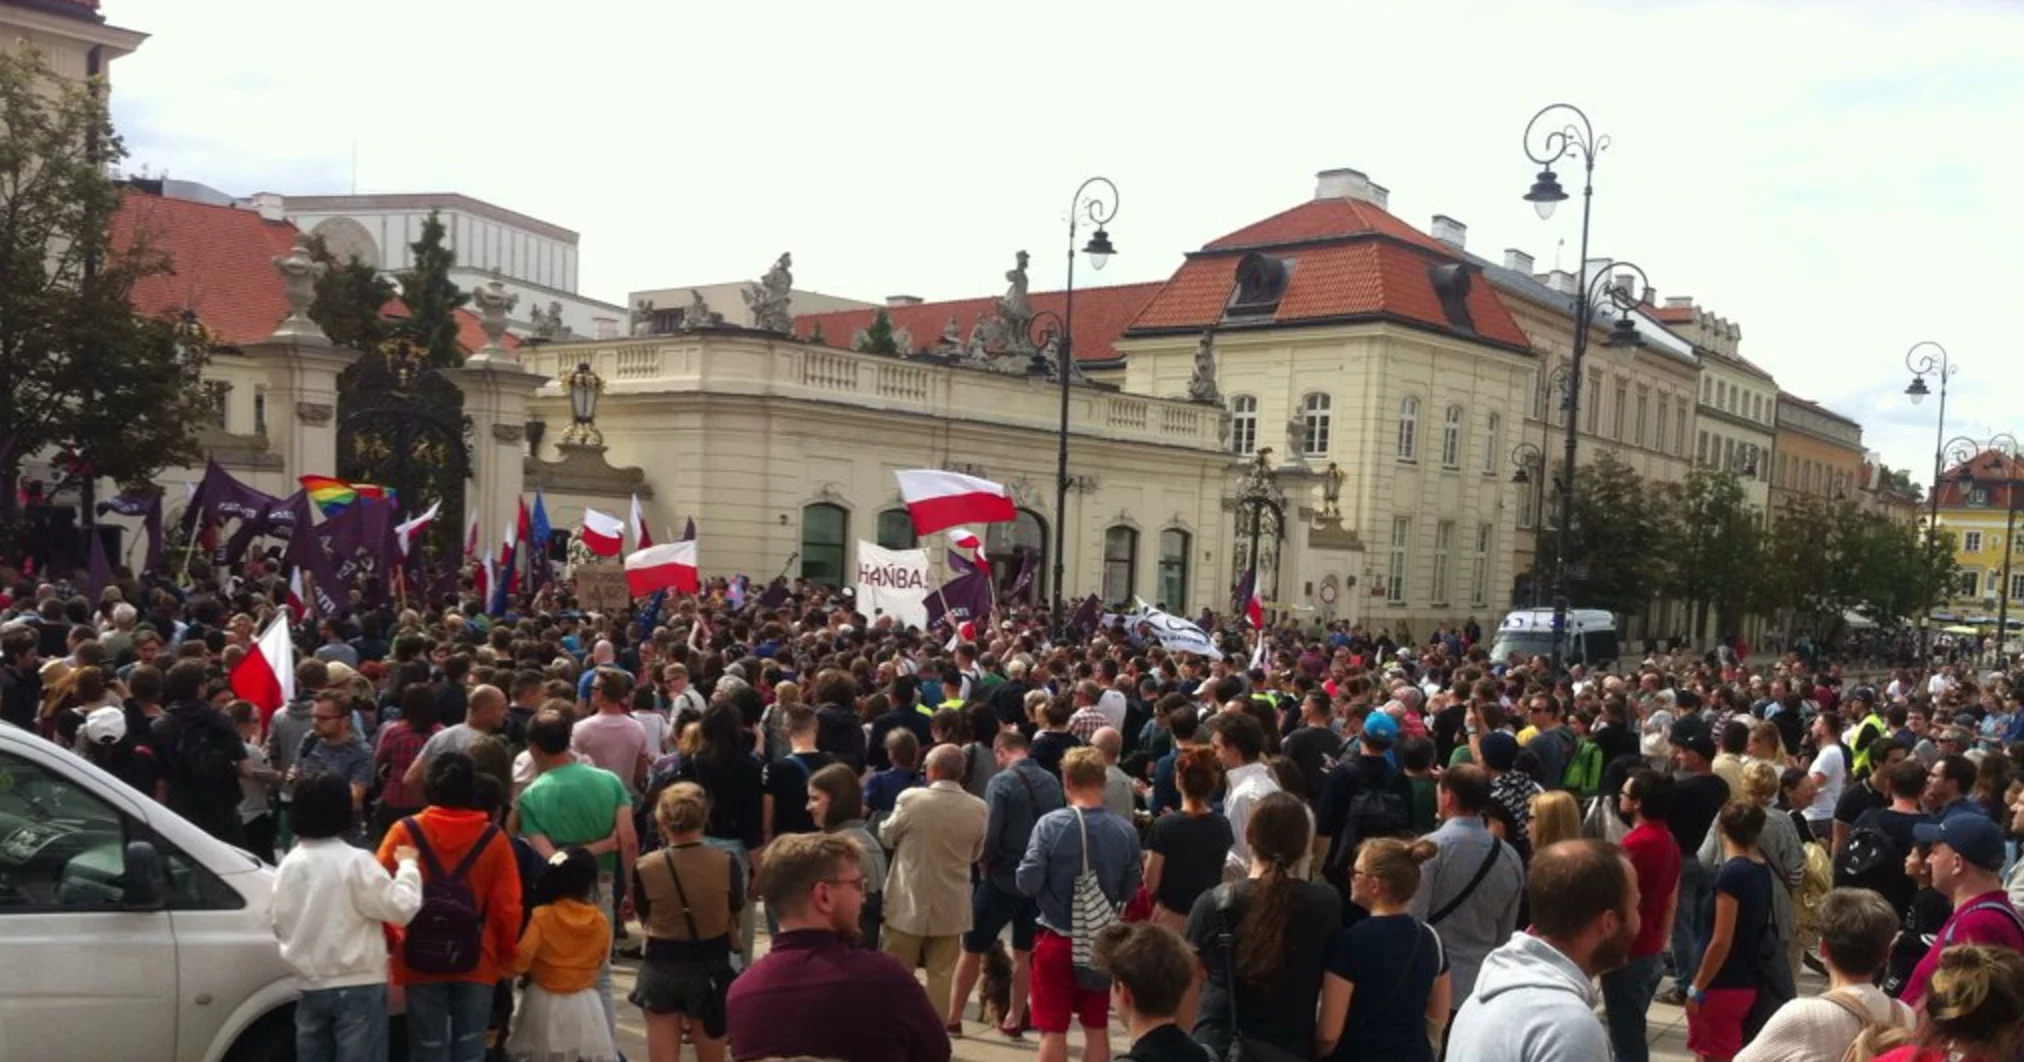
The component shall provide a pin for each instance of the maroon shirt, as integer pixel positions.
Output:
(814, 996)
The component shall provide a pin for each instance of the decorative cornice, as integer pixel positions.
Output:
(509, 433)
(314, 413)
(583, 470)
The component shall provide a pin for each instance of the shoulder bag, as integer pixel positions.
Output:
(1489, 861)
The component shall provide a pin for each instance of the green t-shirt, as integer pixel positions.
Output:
(574, 804)
(1426, 805)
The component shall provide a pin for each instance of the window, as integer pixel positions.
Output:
(1978, 496)
(1019, 547)
(1995, 581)
(1314, 425)
(75, 863)
(2016, 585)
(825, 531)
(1721, 394)
(1969, 581)
(1490, 445)
(1637, 427)
(260, 411)
(896, 530)
(1701, 454)
(1451, 438)
(1594, 386)
(1173, 587)
(1243, 424)
(1479, 566)
(1444, 543)
(1395, 579)
(1659, 434)
(1409, 428)
(1680, 430)
(1619, 404)
(1120, 564)
(1539, 396)
(1530, 493)
(1971, 542)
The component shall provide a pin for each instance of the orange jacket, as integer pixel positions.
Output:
(565, 944)
(494, 881)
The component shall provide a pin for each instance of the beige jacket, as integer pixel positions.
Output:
(936, 833)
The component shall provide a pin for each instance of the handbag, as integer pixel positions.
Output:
(1240, 1049)
(1089, 913)
(1468, 890)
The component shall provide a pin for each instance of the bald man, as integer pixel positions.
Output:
(936, 833)
(485, 715)
(1117, 787)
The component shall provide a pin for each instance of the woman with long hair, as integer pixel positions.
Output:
(835, 802)
(688, 895)
(1387, 980)
(1740, 939)
(1556, 816)
(1263, 940)
(1973, 1009)
(726, 769)
(1185, 850)
(399, 743)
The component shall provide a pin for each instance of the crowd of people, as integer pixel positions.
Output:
(1350, 849)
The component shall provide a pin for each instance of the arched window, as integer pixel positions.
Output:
(1409, 429)
(1314, 425)
(1451, 438)
(1243, 424)
(1173, 585)
(825, 532)
(1490, 445)
(1120, 564)
(896, 530)
(1016, 547)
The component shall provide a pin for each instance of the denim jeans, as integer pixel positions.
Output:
(446, 1021)
(342, 1024)
(1627, 993)
(1690, 928)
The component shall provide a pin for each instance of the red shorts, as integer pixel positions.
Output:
(1056, 996)
(1717, 1031)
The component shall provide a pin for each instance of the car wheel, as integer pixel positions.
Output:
(271, 1039)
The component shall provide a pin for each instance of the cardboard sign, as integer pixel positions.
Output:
(601, 587)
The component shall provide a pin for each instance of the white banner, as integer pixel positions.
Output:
(893, 582)
(1173, 632)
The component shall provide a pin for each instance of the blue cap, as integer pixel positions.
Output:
(1972, 834)
(1380, 726)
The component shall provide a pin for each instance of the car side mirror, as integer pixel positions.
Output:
(143, 877)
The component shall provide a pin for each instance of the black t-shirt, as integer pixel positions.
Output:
(1697, 799)
(1310, 748)
(1049, 746)
(735, 787)
(1281, 1014)
(1898, 887)
(1392, 961)
(1008, 703)
(786, 781)
(207, 793)
(1750, 883)
(1448, 725)
(1615, 741)
(1856, 799)
(1192, 849)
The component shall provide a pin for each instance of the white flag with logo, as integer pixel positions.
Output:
(892, 582)
(1176, 634)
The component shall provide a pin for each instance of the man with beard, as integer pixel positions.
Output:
(1531, 1001)
(847, 1003)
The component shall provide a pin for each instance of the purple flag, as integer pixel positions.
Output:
(966, 597)
(306, 550)
(1087, 614)
(101, 572)
(775, 594)
(960, 564)
(149, 508)
(1024, 578)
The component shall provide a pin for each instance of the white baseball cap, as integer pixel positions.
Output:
(105, 726)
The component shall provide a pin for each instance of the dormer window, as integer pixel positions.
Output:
(1261, 283)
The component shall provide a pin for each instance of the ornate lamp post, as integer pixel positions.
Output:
(2003, 454)
(584, 387)
(1933, 361)
(1097, 200)
(1524, 457)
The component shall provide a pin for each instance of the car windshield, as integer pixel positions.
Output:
(1526, 644)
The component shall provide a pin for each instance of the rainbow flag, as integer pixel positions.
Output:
(333, 496)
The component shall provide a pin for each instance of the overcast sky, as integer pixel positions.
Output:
(1830, 175)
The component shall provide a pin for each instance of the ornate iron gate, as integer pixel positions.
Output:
(402, 425)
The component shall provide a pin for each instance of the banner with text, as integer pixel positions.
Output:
(892, 582)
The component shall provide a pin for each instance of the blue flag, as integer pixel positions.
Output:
(537, 524)
(651, 615)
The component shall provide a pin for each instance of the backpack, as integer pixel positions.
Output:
(1089, 912)
(1872, 1037)
(199, 755)
(1870, 860)
(1376, 809)
(447, 933)
(1583, 776)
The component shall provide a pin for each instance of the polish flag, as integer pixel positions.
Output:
(295, 595)
(471, 535)
(603, 533)
(668, 567)
(964, 538)
(405, 533)
(966, 631)
(642, 538)
(939, 500)
(266, 675)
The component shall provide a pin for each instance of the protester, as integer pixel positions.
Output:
(835, 803)
(1185, 850)
(1471, 889)
(1646, 798)
(1856, 927)
(567, 940)
(1020, 793)
(1967, 852)
(688, 896)
(1975, 1012)
(1150, 971)
(1741, 942)
(935, 833)
(1239, 744)
(1387, 983)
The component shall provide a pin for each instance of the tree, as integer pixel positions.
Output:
(349, 299)
(878, 339)
(1715, 549)
(433, 298)
(1612, 539)
(80, 373)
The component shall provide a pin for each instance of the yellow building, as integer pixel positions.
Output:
(74, 39)
(1975, 510)
(1818, 454)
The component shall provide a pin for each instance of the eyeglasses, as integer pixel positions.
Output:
(855, 883)
(321, 718)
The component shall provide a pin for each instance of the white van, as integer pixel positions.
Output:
(1591, 636)
(125, 931)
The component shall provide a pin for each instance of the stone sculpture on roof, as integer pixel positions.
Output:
(493, 302)
(770, 297)
(1202, 384)
(547, 325)
(641, 318)
(299, 274)
(698, 313)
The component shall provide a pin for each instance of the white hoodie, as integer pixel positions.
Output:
(329, 902)
(1530, 1004)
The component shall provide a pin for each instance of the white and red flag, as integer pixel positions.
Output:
(938, 500)
(642, 538)
(296, 598)
(266, 675)
(964, 538)
(405, 532)
(666, 567)
(603, 533)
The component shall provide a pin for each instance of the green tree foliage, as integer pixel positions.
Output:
(349, 298)
(1825, 560)
(1717, 548)
(79, 371)
(1617, 523)
(433, 299)
(878, 339)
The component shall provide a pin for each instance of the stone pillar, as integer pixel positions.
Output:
(496, 390)
(301, 365)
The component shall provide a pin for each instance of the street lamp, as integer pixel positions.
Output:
(584, 386)
(1524, 457)
(1097, 200)
(1934, 361)
(2003, 454)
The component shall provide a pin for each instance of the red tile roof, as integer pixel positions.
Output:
(1349, 259)
(1673, 314)
(1101, 315)
(1992, 470)
(222, 266)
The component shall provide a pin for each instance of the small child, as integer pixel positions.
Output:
(330, 900)
(256, 789)
(567, 940)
